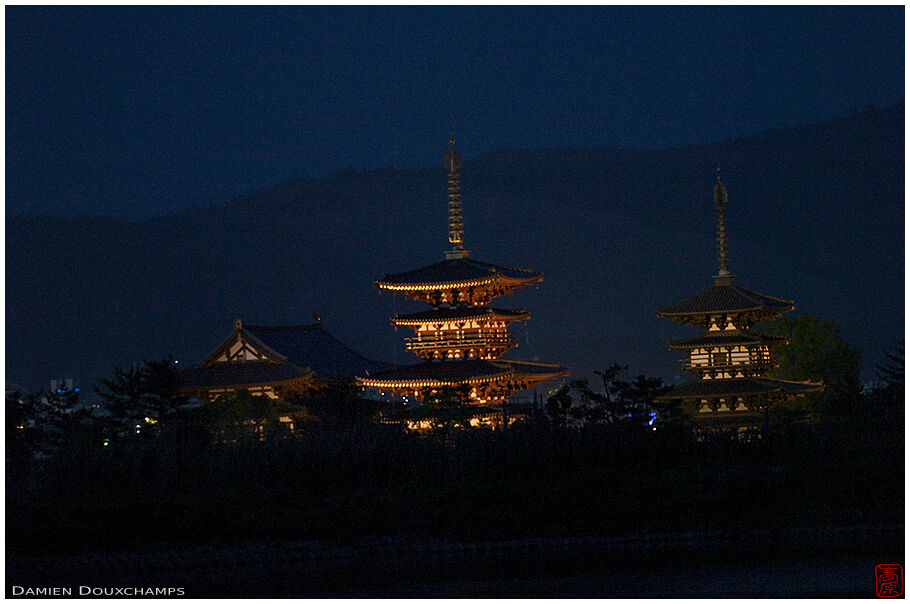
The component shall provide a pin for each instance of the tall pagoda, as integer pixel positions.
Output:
(729, 360)
(461, 338)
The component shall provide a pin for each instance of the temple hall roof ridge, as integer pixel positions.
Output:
(242, 374)
(314, 346)
(304, 346)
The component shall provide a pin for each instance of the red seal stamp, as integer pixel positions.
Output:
(889, 580)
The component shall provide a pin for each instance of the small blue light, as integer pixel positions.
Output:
(77, 390)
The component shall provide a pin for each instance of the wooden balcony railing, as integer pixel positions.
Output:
(762, 363)
(468, 339)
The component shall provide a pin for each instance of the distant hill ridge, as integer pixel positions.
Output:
(816, 214)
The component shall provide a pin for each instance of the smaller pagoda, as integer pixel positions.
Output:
(461, 339)
(729, 360)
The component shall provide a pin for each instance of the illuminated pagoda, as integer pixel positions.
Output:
(275, 361)
(728, 359)
(461, 338)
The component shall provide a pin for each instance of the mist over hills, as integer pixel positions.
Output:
(816, 214)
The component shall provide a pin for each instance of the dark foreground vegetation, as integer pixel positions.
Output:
(225, 499)
(532, 480)
(602, 489)
(155, 469)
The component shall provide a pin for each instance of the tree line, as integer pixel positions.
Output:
(146, 400)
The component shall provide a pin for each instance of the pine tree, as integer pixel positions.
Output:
(138, 398)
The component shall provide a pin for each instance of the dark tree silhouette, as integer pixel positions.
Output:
(886, 401)
(817, 351)
(446, 408)
(558, 404)
(626, 403)
(240, 414)
(20, 433)
(38, 423)
(891, 373)
(338, 403)
(139, 398)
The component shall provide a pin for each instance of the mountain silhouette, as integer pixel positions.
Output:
(815, 214)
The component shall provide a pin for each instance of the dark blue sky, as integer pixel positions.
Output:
(141, 110)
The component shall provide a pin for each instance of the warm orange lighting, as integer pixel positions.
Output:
(460, 328)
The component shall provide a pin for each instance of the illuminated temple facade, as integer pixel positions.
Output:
(728, 359)
(461, 338)
(275, 361)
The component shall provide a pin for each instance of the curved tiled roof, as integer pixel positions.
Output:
(441, 372)
(291, 352)
(726, 339)
(457, 271)
(241, 373)
(433, 373)
(452, 314)
(534, 369)
(739, 387)
(314, 347)
(725, 297)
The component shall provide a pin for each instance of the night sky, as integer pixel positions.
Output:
(144, 110)
(228, 136)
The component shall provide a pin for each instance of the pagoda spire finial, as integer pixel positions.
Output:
(720, 201)
(456, 224)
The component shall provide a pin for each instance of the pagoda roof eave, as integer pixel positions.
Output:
(439, 374)
(438, 315)
(725, 298)
(697, 317)
(436, 374)
(535, 370)
(457, 273)
(726, 339)
(721, 388)
(432, 286)
(440, 285)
